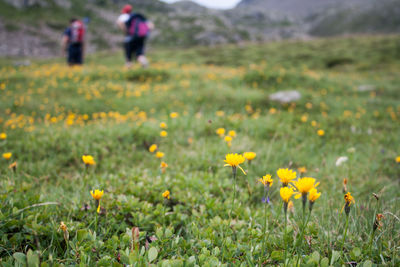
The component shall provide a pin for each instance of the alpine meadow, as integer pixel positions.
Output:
(282, 153)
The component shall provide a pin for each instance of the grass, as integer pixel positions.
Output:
(53, 115)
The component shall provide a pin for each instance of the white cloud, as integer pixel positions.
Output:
(223, 4)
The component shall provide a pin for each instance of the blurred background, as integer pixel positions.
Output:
(34, 28)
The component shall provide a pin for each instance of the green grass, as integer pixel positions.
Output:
(53, 115)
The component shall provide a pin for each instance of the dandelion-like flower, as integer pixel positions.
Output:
(321, 132)
(13, 166)
(234, 160)
(232, 133)
(159, 154)
(166, 194)
(220, 132)
(304, 185)
(64, 228)
(3, 136)
(88, 160)
(174, 115)
(249, 155)
(286, 176)
(153, 148)
(348, 198)
(97, 194)
(163, 166)
(7, 155)
(344, 185)
(302, 169)
(163, 133)
(377, 222)
(266, 180)
(286, 193)
(312, 197)
(398, 159)
(163, 125)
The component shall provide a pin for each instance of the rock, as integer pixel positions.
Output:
(286, 96)
(366, 88)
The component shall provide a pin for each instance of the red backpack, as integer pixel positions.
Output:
(77, 32)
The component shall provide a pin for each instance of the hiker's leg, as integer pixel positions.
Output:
(128, 54)
(141, 58)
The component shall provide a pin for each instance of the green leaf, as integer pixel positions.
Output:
(152, 254)
(277, 255)
(355, 253)
(315, 256)
(335, 256)
(324, 262)
(367, 263)
(20, 257)
(81, 234)
(32, 259)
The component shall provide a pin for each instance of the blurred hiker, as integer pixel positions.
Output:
(136, 29)
(73, 42)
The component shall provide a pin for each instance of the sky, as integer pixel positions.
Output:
(221, 4)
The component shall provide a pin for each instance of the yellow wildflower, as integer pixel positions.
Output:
(398, 159)
(313, 123)
(321, 132)
(166, 194)
(286, 176)
(234, 160)
(220, 132)
(232, 133)
(63, 227)
(313, 195)
(88, 160)
(7, 155)
(272, 110)
(3, 136)
(163, 166)
(302, 169)
(13, 166)
(348, 198)
(97, 194)
(228, 139)
(163, 133)
(249, 155)
(286, 193)
(266, 180)
(304, 185)
(159, 154)
(163, 125)
(304, 118)
(174, 115)
(153, 148)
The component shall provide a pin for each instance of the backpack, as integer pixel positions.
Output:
(77, 32)
(137, 26)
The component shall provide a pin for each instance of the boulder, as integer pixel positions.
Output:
(286, 96)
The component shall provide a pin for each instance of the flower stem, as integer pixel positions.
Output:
(234, 193)
(345, 232)
(284, 237)
(265, 220)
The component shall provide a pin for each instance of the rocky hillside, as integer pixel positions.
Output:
(34, 27)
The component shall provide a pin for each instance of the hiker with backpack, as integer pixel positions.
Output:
(73, 42)
(136, 28)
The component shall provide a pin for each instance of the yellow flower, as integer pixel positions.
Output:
(7, 155)
(249, 155)
(63, 227)
(174, 115)
(234, 160)
(228, 139)
(291, 206)
(88, 160)
(163, 125)
(302, 169)
(163, 133)
(304, 185)
(304, 118)
(220, 132)
(13, 166)
(313, 123)
(163, 164)
(166, 194)
(153, 148)
(313, 195)
(159, 155)
(232, 133)
(398, 159)
(3, 136)
(266, 180)
(286, 193)
(286, 176)
(349, 199)
(272, 110)
(97, 194)
(321, 132)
